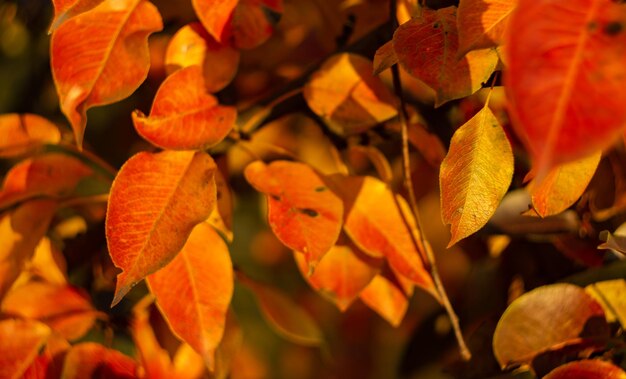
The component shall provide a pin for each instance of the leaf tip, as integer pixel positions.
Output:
(123, 287)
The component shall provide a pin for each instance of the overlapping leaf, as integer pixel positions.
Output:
(101, 56)
(50, 175)
(155, 201)
(427, 47)
(587, 369)
(89, 360)
(482, 23)
(563, 185)
(192, 45)
(66, 9)
(346, 94)
(194, 291)
(475, 174)
(580, 46)
(385, 296)
(302, 211)
(184, 116)
(21, 133)
(20, 341)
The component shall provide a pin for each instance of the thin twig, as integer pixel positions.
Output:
(431, 262)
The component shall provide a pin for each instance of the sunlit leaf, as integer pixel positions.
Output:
(611, 294)
(243, 23)
(341, 274)
(48, 264)
(230, 345)
(346, 94)
(427, 47)
(563, 185)
(615, 242)
(21, 229)
(101, 56)
(384, 58)
(20, 341)
(184, 116)
(386, 297)
(22, 133)
(155, 201)
(194, 290)
(66, 9)
(222, 216)
(192, 45)
(302, 211)
(475, 174)
(587, 369)
(566, 77)
(546, 318)
(66, 309)
(92, 360)
(49, 175)
(482, 23)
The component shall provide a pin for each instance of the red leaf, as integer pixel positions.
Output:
(194, 290)
(303, 213)
(20, 341)
(184, 116)
(91, 360)
(155, 201)
(566, 77)
(23, 133)
(587, 369)
(101, 56)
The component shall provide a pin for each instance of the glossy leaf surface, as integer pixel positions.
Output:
(427, 47)
(194, 290)
(475, 174)
(155, 201)
(108, 50)
(21, 133)
(20, 341)
(302, 211)
(184, 116)
(346, 94)
(580, 46)
(482, 23)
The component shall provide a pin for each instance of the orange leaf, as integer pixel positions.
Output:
(385, 296)
(341, 274)
(20, 341)
(347, 95)
(21, 229)
(222, 216)
(566, 78)
(50, 175)
(155, 201)
(101, 56)
(192, 45)
(243, 23)
(475, 175)
(23, 133)
(184, 116)
(587, 369)
(427, 47)
(66, 9)
(377, 226)
(563, 185)
(201, 278)
(482, 23)
(91, 360)
(66, 309)
(48, 263)
(303, 213)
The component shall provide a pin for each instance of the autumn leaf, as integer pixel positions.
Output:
(89, 360)
(482, 23)
(587, 369)
(155, 201)
(64, 308)
(52, 175)
(346, 94)
(610, 294)
(376, 223)
(548, 317)
(194, 290)
(66, 9)
(566, 78)
(21, 229)
(20, 341)
(108, 50)
(562, 186)
(243, 23)
(228, 348)
(47, 264)
(475, 174)
(427, 47)
(192, 45)
(341, 275)
(384, 58)
(23, 133)
(222, 216)
(385, 296)
(184, 116)
(302, 211)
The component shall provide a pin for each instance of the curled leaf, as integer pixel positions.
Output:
(587, 369)
(22, 133)
(66, 9)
